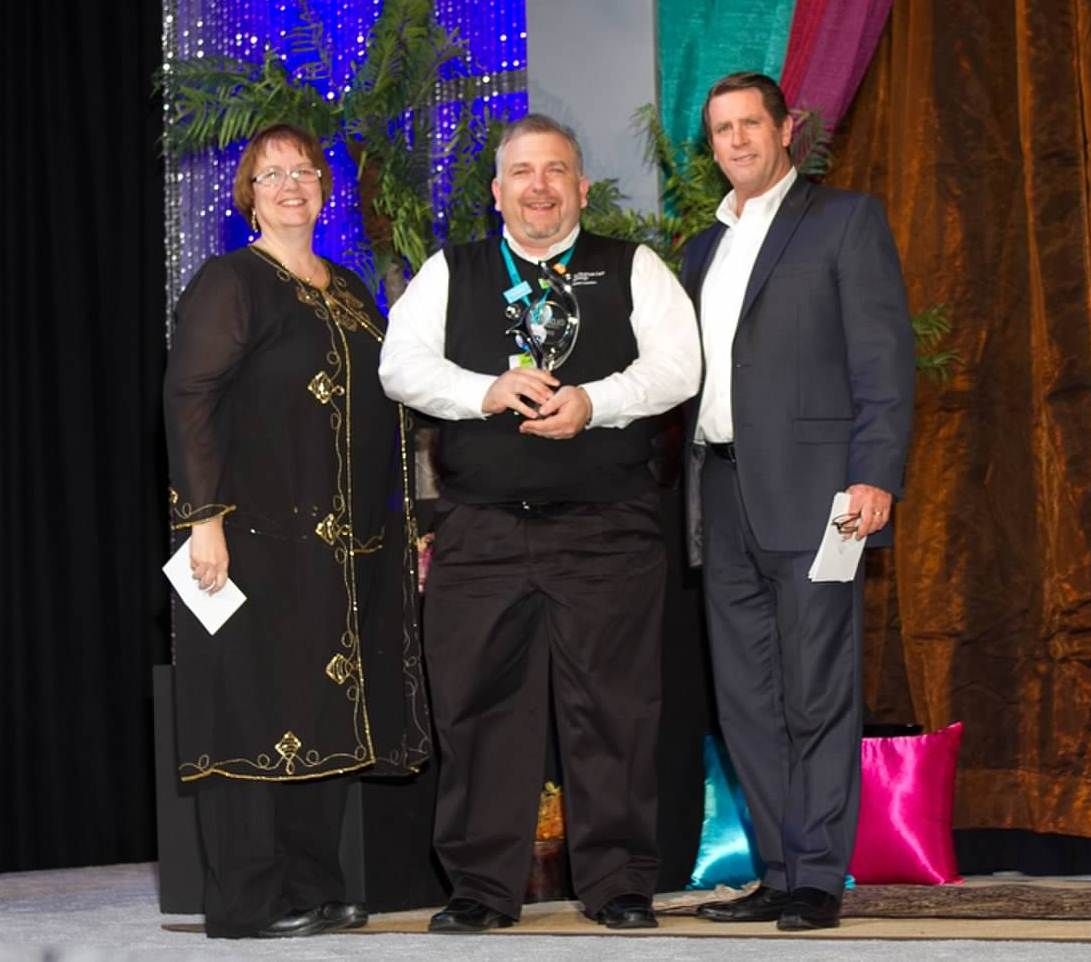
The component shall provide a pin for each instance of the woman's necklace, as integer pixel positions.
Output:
(334, 299)
(317, 271)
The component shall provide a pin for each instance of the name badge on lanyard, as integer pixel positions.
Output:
(517, 293)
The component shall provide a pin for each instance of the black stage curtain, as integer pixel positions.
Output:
(82, 469)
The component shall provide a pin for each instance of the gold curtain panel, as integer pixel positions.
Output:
(973, 125)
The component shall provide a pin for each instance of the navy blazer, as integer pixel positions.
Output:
(823, 366)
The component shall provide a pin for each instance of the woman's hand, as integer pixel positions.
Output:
(208, 555)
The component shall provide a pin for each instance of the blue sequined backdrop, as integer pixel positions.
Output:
(200, 219)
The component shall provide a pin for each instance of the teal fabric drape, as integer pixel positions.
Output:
(701, 40)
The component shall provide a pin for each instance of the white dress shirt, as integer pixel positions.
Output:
(721, 301)
(667, 370)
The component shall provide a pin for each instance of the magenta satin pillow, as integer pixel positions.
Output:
(907, 793)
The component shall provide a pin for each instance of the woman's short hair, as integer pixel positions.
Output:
(243, 190)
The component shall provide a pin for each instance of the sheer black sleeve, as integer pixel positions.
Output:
(212, 331)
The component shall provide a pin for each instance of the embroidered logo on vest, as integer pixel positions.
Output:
(585, 278)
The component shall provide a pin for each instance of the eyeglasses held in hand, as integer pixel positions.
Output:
(274, 176)
(846, 524)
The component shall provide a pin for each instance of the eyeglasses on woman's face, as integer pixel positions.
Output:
(273, 177)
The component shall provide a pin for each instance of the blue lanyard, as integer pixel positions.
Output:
(520, 289)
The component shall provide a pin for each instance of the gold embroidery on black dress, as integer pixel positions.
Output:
(185, 515)
(411, 755)
(346, 556)
(323, 388)
(341, 312)
(288, 747)
(373, 544)
(339, 668)
(333, 533)
(330, 531)
(335, 302)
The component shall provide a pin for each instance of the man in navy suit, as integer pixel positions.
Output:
(808, 390)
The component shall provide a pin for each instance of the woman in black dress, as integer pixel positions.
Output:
(290, 470)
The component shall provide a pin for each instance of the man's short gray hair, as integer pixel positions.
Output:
(538, 124)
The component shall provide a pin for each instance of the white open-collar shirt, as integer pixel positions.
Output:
(666, 371)
(722, 295)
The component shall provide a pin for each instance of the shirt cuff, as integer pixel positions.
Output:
(604, 404)
(468, 393)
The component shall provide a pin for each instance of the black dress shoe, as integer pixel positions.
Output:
(764, 904)
(344, 915)
(627, 912)
(468, 915)
(295, 925)
(810, 909)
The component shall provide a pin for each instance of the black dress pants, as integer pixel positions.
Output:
(786, 662)
(517, 600)
(270, 848)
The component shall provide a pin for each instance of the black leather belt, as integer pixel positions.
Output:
(537, 509)
(723, 449)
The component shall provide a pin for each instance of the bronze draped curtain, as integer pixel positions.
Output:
(973, 126)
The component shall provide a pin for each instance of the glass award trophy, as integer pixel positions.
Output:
(547, 327)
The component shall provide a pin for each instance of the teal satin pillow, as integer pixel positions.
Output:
(728, 854)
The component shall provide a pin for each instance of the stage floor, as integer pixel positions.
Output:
(111, 912)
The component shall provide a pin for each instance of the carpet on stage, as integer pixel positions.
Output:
(980, 909)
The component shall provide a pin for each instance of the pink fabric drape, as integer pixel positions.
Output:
(806, 19)
(830, 46)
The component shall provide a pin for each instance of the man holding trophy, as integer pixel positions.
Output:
(544, 353)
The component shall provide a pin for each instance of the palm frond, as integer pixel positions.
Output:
(387, 123)
(810, 147)
(605, 215)
(410, 216)
(218, 101)
(603, 199)
(937, 366)
(930, 327)
(469, 213)
(692, 184)
(407, 51)
(658, 149)
(696, 189)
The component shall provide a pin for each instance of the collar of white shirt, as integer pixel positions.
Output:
(559, 248)
(763, 205)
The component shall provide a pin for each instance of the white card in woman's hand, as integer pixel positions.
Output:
(211, 610)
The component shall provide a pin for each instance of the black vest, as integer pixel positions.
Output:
(489, 461)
